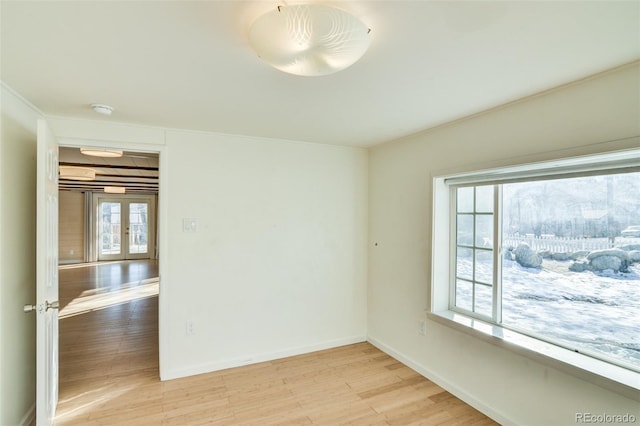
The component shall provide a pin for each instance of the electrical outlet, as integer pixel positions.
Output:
(191, 328)
(422, 327)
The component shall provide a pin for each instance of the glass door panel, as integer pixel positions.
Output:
(126, 228)
(110, 229)
(138, 228)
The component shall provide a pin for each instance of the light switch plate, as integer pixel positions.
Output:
(189, 225)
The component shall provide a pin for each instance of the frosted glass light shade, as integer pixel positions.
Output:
(115, 189)
(309, 39)
(77, 173)
(98, 152)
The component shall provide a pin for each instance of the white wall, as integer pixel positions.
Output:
(17, 258)
(507, 386)
(278, 263)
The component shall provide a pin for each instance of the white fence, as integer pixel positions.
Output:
(558, 244)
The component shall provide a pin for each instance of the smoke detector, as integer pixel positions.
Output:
(102, 109)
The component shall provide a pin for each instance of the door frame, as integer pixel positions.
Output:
(73, 134)
(94, 236)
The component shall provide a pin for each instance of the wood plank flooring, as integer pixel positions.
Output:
(109, 374)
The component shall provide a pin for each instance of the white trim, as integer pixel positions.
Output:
(104, 144)
(84, 131)
(21, 98)
(609, 376)
(257, 358)
(29, 417)
(89, 234)
(457, 391)
(18, 102)
(105, 134)
(552, 169)
(162, 224)
(154, 141)
(599, 148)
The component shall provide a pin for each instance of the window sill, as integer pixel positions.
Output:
(609, 376)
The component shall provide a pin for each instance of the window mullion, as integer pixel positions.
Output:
(453, 246)
(497, 254)
(474, 283)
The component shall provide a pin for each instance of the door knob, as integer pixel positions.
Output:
(51, 305)
(42, 308)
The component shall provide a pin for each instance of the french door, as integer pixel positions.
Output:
(125, 228)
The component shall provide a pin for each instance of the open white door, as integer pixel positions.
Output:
(46, 276)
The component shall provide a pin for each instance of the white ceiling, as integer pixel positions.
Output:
(184, 64)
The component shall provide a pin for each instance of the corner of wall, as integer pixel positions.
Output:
(17, 257)
(436, 378)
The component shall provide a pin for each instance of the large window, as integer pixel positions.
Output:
(550, 252)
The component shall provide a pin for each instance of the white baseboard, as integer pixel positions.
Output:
(442, 382)
(29, 417)
(70, 262)
(209, 367)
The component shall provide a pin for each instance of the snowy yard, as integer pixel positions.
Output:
(598, 312)
(595, 311)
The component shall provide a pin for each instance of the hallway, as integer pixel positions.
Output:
(108, 334)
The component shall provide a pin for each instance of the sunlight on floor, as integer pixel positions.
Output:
(96, 398)
(93, 300)
(91, 264)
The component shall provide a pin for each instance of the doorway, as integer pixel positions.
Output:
(109, 295)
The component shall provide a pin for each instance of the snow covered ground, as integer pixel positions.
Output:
(587, 311)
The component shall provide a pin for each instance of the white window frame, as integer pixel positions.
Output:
(611, 376)
(496, 286)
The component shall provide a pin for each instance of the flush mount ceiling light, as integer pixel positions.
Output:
(114, 189)
(98, 152)
(102, 109)
(77, 173)
(309, 39)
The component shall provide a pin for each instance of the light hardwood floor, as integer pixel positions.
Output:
(109, 372)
